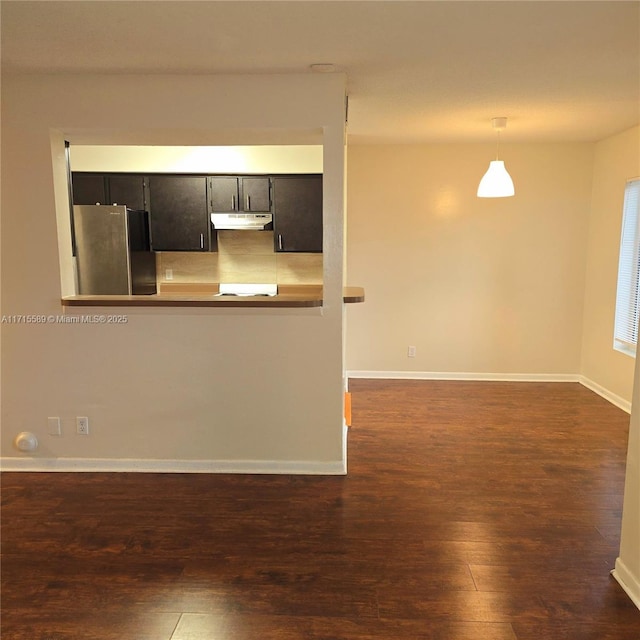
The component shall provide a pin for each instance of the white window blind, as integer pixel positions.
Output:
(625, 336)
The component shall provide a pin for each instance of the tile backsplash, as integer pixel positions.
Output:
(242, 256)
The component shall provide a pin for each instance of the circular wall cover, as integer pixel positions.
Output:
(26, 441)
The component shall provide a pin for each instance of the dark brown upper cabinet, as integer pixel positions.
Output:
(89, 188)
(297, 213)
(178, 210)
(180, 205)
(127, 189)
(228, 194)
(109, 188)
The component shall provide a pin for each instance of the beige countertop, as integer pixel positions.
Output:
(193, 294)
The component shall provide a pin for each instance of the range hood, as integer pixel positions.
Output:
(255, 221)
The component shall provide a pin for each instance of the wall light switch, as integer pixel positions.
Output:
(54, 426)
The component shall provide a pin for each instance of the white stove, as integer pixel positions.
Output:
(244, 289)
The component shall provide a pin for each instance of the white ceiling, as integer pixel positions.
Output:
(421, 71)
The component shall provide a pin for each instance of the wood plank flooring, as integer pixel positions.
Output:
(472, 511)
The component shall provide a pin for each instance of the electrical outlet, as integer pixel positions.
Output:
(82, 425)
(411, 352)
(168, 274)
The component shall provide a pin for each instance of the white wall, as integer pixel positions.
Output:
(627, 569)
(252, 390)
(616, 159)
(179, 159)
(480, 286)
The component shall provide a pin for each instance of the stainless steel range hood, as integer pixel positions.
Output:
(238, 221)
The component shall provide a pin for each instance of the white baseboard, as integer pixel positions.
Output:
(629, 582)
(278, 467)
(614, 399)
(455, 375)
(619, 402)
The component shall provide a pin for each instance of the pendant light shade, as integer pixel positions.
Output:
(496, 182)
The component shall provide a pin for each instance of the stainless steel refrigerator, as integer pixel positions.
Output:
(113, 251)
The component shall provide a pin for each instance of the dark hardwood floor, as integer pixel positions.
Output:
(472, 511)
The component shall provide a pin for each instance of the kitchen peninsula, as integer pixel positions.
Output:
(200, 295)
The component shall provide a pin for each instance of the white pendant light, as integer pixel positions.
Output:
(496, 182)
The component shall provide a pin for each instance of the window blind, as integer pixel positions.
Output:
(625, 336)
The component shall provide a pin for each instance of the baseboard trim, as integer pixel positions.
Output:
(627, 581)
(455, 375)
(614, 399)
(619, 402)
(277, 467)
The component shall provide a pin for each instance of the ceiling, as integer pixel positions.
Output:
(421, 71)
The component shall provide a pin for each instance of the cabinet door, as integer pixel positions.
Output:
(223, 194)
(88, 188)
(256, 194)
(297, 213)
(128, 190)
(179, 217)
